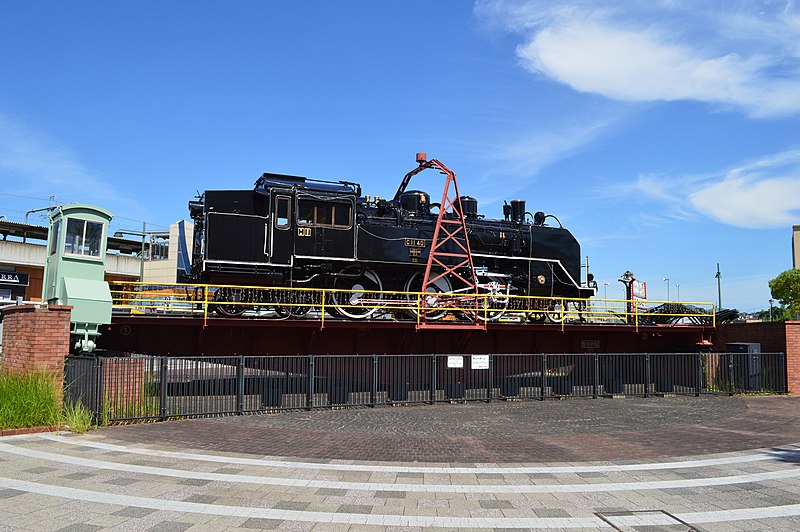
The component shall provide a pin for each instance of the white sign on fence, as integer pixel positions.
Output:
(454, 361)
(480, 362)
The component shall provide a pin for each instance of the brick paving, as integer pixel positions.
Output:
(679, 463)
(499, 432)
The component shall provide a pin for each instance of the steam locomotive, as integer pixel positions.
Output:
(291, 231)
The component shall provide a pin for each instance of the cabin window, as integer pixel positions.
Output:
(83, 237)
(56, 234)
(282, 212)
(324, 213)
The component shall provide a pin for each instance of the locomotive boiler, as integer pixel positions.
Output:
(291, 231)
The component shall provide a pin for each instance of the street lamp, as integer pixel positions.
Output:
(143, 234)
(605, 291)
(771, 301)
(667, 280)
(678, 296)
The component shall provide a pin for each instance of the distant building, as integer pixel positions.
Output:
(23, 246)
(796, 247)
(168, 253)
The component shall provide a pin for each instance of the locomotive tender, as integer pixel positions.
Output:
(291, 231)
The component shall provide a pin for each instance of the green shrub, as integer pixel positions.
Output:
(28, 400)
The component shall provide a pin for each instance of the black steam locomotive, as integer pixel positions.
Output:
(296, 232)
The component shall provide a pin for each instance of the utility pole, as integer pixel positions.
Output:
(719, 288)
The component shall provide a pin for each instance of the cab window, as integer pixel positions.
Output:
(318, 213)
(282, 212)
(83, 237)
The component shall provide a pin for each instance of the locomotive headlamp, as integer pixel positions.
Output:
(541, 279)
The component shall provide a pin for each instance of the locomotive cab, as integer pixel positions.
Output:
(265, 231)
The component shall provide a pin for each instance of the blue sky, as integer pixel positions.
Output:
(664, 134)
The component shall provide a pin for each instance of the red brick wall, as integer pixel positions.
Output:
(793, 355)
(774, 337)
(36, 339)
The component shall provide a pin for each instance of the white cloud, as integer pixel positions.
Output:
(733, 56)
(758, 195)
(517, 162)
(41, 167)
(43, 164)
(755, 195)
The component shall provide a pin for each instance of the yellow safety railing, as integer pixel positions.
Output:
(324, 303)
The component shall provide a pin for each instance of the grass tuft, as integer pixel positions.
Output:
(28, 400)
(77, 417)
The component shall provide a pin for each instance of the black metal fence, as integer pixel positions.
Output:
(146, 387)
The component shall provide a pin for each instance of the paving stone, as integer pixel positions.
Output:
(354, 509)
(77, 476)
(291, 505)
(496, 505)
(551, 512)
(259, 523)
(194, 482)
(40, 470)
(133, 511)
(388, 494)
(201, 498)
(80, 527)
(331, 492)
(229, 470)
(121, 481)
(170, 526)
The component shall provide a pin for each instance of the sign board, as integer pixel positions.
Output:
(639, 289)
(590, 344)
(454, 361)
(479, 362)
(14, 278)
(639, 295)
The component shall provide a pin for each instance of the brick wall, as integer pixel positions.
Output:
(793, 355)
(36, 339)
(775, 336)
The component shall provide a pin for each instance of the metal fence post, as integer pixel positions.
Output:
(648, 370)
(543, 387)
(699, 370)
(784, 387)
(97, 373)
(374, 391)
(163, 387)
(731, 387)
(240, 386)
(596, 383)
(310, 384)
(433, 378)
(489, 379)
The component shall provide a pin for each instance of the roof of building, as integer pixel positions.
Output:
(39, 232)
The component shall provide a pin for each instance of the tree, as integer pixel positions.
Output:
(786, 289)
(779, 313)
